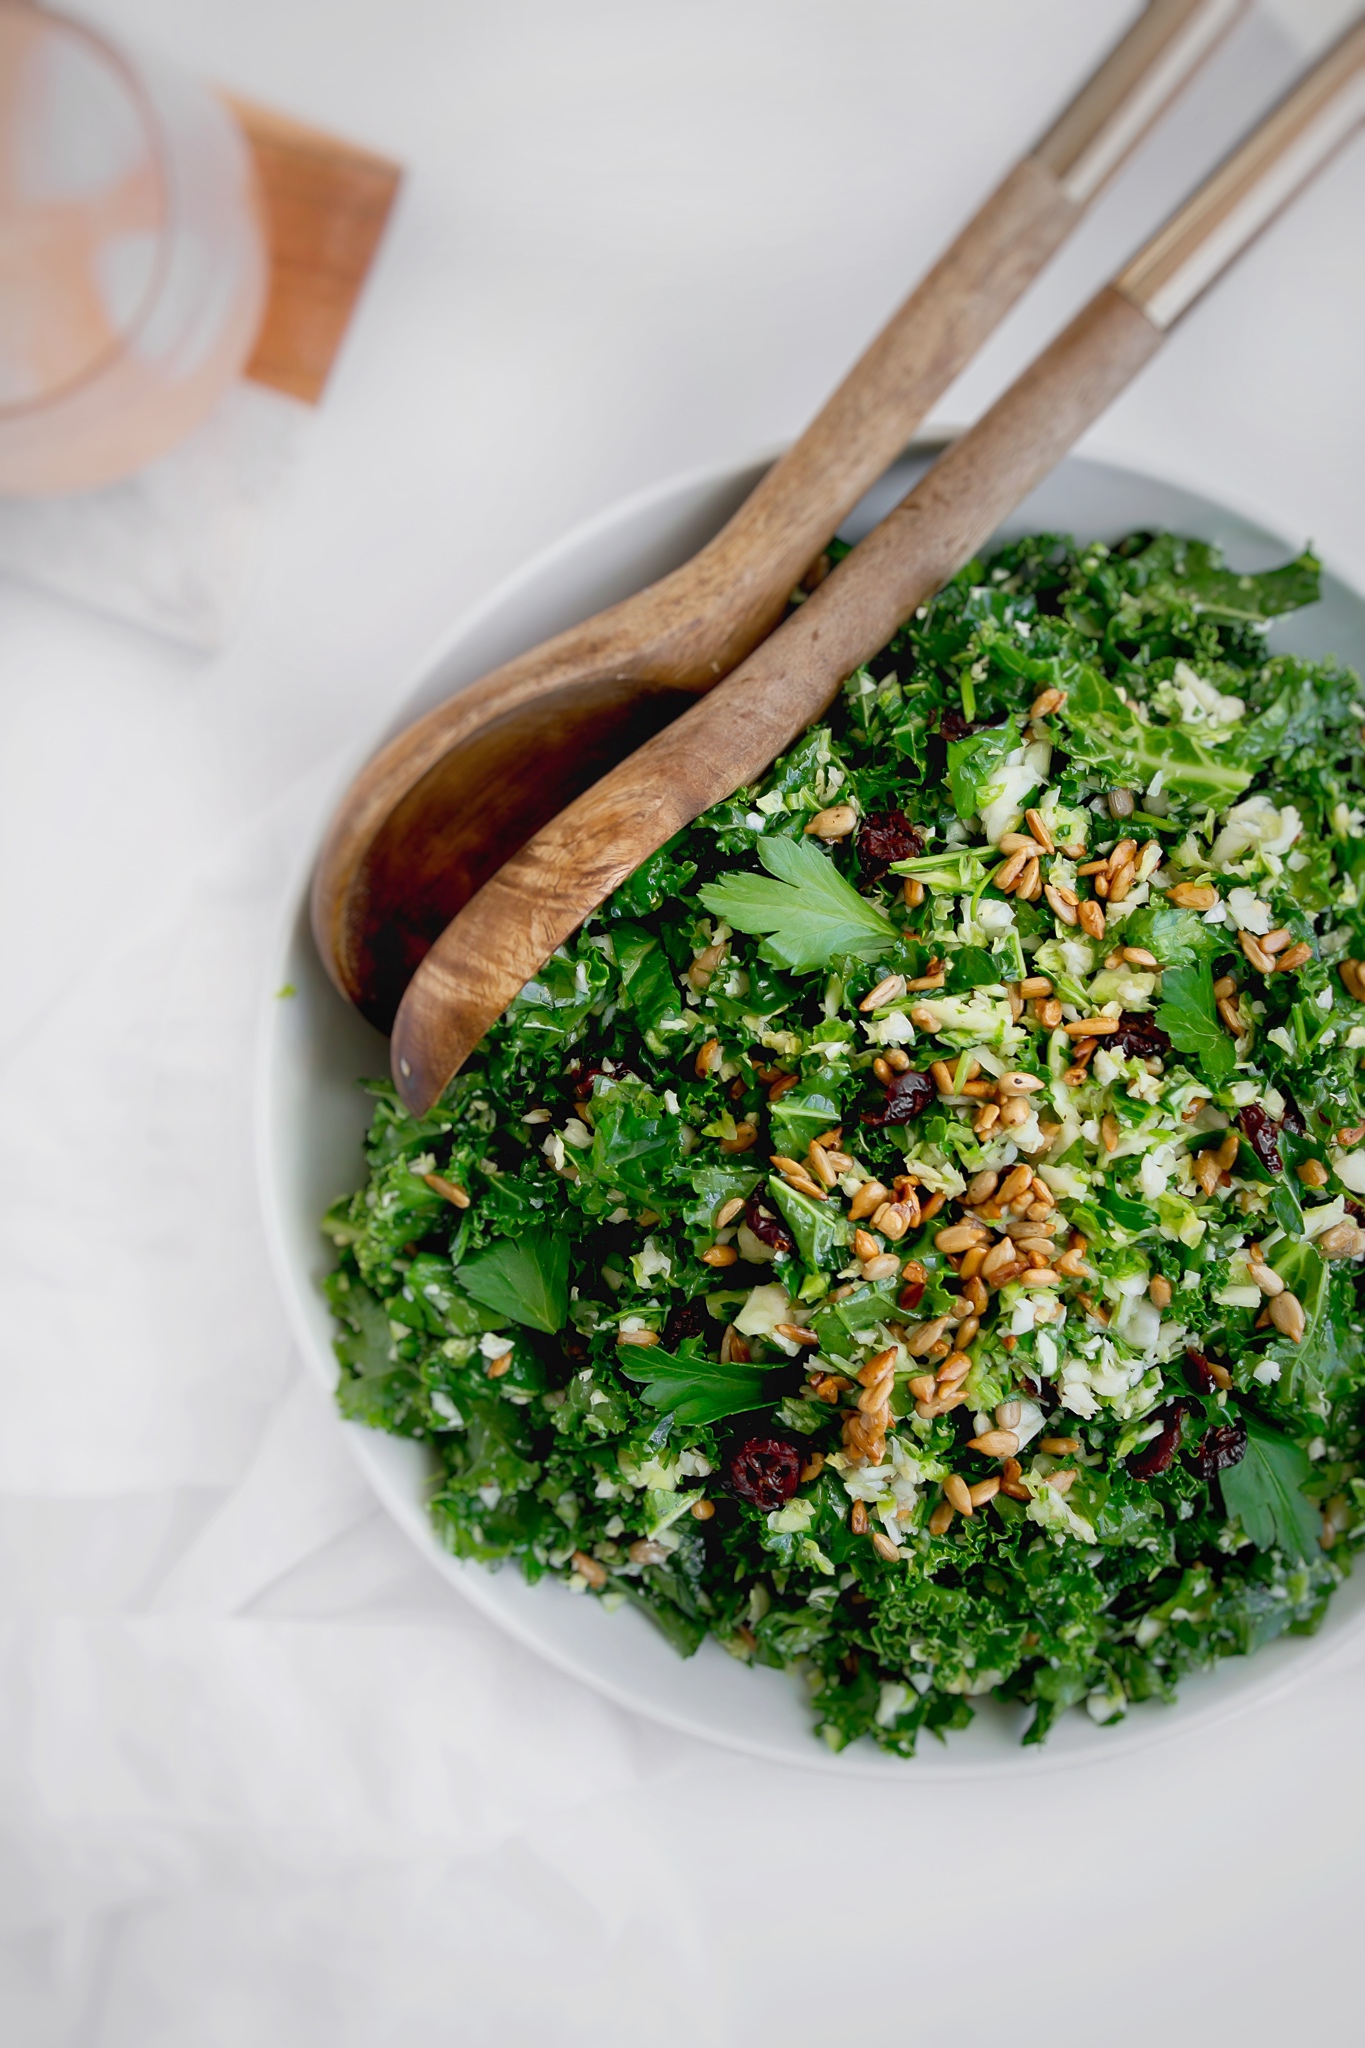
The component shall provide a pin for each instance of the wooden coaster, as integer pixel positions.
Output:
(326, 205)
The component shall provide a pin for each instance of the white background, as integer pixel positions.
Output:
(263, 1778)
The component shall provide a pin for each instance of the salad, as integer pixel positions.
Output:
(910, 1234)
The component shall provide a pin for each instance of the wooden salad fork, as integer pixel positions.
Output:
(440, 808)
(727, 739)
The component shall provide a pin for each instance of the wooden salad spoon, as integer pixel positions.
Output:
(445, 803)
(509, 929)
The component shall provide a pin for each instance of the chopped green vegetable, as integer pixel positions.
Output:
(792, 1128)
(974, 765)
(1104, 732)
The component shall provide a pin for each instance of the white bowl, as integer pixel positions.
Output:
(311, 1117)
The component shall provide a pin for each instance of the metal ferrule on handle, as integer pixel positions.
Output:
(1111, 115)
(1254, 184)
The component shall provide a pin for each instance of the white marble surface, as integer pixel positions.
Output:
(263, 1778)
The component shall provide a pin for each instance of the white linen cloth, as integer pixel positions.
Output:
(264, 1778)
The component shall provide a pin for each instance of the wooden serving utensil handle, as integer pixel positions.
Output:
(871, 417)
(451, 797)
(788, 517)
(508, 930)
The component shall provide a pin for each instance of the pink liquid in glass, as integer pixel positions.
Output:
(132, 260)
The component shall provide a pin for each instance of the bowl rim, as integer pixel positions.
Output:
(1145, 1725)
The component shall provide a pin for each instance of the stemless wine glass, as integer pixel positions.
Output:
(133, 261)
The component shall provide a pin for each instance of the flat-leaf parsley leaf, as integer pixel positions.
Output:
(808, 912)
(528, 1280)
(695, 1390)
(1265, 1492)
(1188, 1018)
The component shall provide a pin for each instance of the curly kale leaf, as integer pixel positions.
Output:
(635, 1141)
(1330, 1349)
(376, 1387)
(648, 987)
(1177, 938)
(818, 1227)
(1174, 571)
(1105, 733)
(555, 1002)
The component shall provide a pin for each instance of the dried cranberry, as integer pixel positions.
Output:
(766, 1227)
(1156, 1456)
(954, 726)
(618, 1071)
(1223, 1446)
(886, 836)
(764, 1470)
(1261, 1133)
(1201, 1375)
(1138, 1037)
(1039, 1390)
(907, 1096)
(686, 1319)
(1292, 1120)
(912, 1294)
